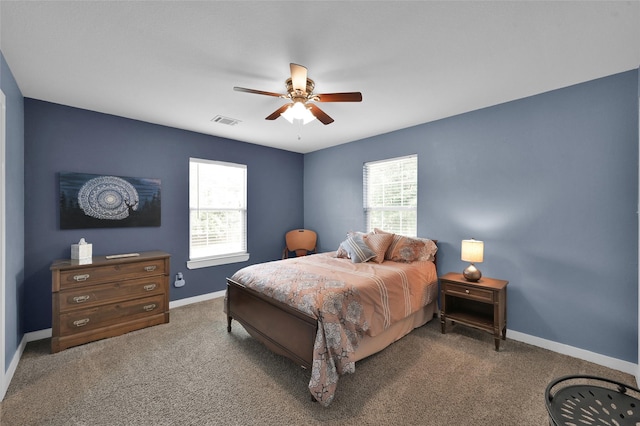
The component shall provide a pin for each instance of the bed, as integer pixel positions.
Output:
(329, 310)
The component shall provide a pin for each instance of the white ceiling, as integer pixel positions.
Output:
(175, 63)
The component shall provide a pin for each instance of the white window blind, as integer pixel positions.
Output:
(217, 213)
(391, 195)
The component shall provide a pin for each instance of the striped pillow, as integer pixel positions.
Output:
(379, 243)
(407, 249)
(357, 249)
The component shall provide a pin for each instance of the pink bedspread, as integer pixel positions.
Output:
(349, 300)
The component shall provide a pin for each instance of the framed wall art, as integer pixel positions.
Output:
(104, 201)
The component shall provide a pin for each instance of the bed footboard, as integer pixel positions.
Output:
(281, 328)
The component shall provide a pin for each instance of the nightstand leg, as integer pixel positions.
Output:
(496, 339)
(443, 324)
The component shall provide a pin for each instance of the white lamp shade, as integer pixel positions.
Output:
(472, 251)
(298, 111)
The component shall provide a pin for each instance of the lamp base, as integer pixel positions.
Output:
(471, 273)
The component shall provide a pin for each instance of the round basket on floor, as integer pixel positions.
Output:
(581, 400)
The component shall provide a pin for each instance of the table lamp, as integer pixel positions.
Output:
(472, 251)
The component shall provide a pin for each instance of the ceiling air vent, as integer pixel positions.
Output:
(225, 120)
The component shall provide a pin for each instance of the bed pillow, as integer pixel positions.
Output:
(342, 252)
(404, 249)
(380, 231)
(357, 249)
(428, 252)
(400, 249)
(379, 243)
(408, 249)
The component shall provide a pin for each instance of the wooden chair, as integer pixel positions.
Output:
(300, 241)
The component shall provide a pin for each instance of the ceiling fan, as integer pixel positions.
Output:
(300, 93)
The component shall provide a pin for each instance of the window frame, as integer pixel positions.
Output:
(223, 258)
(368, 209)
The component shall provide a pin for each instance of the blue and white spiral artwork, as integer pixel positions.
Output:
(108, 197)
(105, 201)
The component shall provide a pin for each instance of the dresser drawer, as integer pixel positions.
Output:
(469, 292)
(106, 315)
(106, 273)
(100, 294)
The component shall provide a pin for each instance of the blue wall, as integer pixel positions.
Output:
(14, 199)
(550, 183)
(64, 139)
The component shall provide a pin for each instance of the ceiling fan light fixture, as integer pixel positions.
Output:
(300, 92)
(298, 111)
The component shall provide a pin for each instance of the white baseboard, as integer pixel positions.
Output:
(8, 375)
(196, 299)
(606, 361)
(38, 335)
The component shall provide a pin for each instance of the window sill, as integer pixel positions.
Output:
(216, 261)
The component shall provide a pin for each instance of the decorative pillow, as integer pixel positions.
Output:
(342, 252)
(357, 249)
(404, 249)
(380, 231)
(379, 243)
(428, 252)
(397, 250)
(407, 249)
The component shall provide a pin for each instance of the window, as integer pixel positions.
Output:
(391, 195)
(217, 213)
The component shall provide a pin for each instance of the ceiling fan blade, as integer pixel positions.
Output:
(320, 114)
(258, 92)
(339, 97)
(277, 112)
(299, 77)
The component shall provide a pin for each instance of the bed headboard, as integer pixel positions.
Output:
(435, 256)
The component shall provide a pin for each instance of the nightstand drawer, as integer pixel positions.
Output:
(469, 292)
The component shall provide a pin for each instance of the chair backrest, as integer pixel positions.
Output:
(300, 241)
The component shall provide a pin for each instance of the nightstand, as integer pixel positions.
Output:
(481, 304)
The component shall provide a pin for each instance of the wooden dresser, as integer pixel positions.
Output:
(103, 297)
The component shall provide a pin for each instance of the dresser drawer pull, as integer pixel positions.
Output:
(82, 277)
(80, 299)
(150, 287)
(466, 291)
(150, 307)
(80, 323)
(150, 268)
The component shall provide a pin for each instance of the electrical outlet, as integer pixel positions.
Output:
(179, 282)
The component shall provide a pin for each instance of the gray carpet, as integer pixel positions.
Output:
(192, 372)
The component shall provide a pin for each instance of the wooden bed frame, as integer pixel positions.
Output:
(281, 328)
